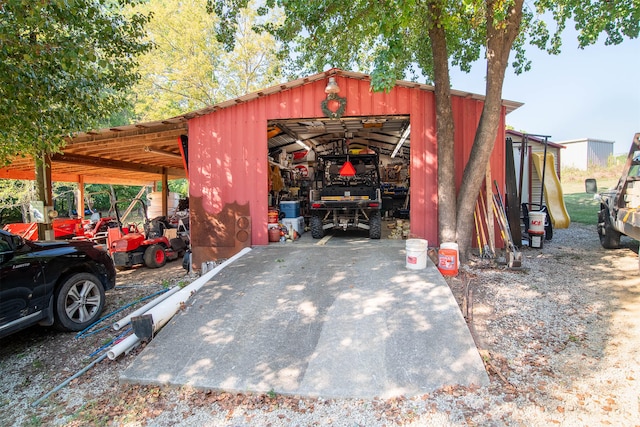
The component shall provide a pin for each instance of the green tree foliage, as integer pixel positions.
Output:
(15, 196)
(393, 40)
(388, 40)
(64, 66)
(189, 69)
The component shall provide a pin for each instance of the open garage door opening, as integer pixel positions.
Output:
(348, 174)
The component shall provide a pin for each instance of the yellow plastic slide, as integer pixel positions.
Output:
(552, 191)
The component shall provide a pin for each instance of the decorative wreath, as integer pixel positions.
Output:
(333, 114)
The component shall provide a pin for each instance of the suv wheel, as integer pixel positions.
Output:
(315, 223)
(78, 302)
(609, 237)
(375, 225)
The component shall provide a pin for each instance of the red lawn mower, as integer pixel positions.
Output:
(146, 244)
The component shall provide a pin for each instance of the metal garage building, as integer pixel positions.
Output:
(228, 143)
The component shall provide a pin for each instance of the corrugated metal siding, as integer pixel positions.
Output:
(598, 153)
(582, 154)
(228, 157)
(535, 184)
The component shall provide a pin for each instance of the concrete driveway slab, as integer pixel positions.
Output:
(333, 318)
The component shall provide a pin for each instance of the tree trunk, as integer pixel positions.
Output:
(113, 211)
(444, 132)
(500, 39)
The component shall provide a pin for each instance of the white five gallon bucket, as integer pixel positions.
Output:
(536, 222)
(417, 254)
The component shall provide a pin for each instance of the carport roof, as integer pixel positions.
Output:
(132, 155)
(142, 153)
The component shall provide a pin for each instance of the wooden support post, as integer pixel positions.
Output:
(45, 193)
(80, 198)
(165, 194)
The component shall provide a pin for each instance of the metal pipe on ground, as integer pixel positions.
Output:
(127, 319)
(68, 380)
(165, 310)
(124, 346)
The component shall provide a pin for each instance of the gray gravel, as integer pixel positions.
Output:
(559, 339)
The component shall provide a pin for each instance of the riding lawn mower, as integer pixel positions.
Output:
(146, 245)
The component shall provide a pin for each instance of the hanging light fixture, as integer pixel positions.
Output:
(303, 145)
(332, 86)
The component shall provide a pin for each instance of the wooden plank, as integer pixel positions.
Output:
(106, 163)
(511, 195)
(489, 212)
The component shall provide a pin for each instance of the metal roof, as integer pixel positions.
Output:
(510, 105)
(531, 138)
(382, 133)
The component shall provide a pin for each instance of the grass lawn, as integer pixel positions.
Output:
(581, 206)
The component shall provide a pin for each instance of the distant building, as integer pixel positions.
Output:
(531, 187)
(586, 152)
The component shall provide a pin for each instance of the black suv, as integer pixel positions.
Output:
(59, 283)
(346, 195)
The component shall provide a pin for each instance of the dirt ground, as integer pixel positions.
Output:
(559, 339)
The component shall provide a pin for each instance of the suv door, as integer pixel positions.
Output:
(20, 277)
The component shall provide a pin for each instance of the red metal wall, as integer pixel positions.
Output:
(228, 167)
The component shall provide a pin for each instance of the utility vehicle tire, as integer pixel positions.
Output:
(78, 302)
(609, 237)
(155, 257)
(315, 223)
(375, 225)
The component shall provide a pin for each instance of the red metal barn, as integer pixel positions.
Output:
(229, 170)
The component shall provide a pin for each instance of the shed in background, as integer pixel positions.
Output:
(586, 152)
(530, 166)
(531, 180)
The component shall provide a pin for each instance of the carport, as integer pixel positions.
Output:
(139, 154)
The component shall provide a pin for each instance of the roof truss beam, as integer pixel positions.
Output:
(114, 164)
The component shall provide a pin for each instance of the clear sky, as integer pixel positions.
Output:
(581, 93)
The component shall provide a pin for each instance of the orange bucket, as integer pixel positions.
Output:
(448, 259)
(274, 234)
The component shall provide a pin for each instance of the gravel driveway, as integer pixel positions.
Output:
(560, 341)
